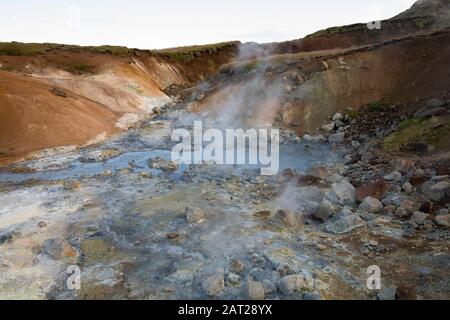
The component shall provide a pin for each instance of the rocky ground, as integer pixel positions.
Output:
(139, 226)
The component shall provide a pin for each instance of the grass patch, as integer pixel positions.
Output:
(189, 53)
(376, 106)
(24, 49)
(409, 123)
(33, 49)
(433, 132)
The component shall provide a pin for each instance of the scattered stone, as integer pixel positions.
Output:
(237, 266)
(213, 285)
(42, 224)
(417, 180)
(394, 176)
(195, 215)
(434, 103)
(307, 180)
(323, 211)
(145, 174)
(319, 172)
(59, 248)
(253, 290)
(346, 224)
(442, 211)
(338, 116)
(375, 189)
(265, 214)
(355, 144)
(233, 278)
(443, 220)
(162, 164)
(71, 184)
(59, 92)
(328, 127)
(389, 209)
(172, 235)
(342, 193)
(436, 191)
(407, 187)
(337, 137)
(295, 283)
(419, 217)
(371, 205)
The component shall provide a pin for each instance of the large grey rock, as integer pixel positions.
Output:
(323, 211)
(337, 137)
(435, 190)
(443, 220)
(346, 224)
(213, 285)
(338, 116)
(328, 127)
(371, 205)
(342, 193)
(253, 290)
(295, 283)
(419, 217)
(393, 176)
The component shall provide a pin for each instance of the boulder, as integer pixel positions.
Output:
(342, 193)
(371, 205)
(328, 127)
(435, 190)
(295, 283)
(323, 211)
(338, 116)
(253, 290)
(337, 137)
(419, 217)
(213, 285)
(346, 224)
(443, 220)
(393, 176)
(375, 189)
(319, 172)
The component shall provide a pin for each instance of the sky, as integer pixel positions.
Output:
(163, 24)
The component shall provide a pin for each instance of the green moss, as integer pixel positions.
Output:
(433, 132)
(376, 106)
(408, 123)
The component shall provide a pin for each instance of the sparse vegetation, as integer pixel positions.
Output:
(32, 49)
(376, 106)
(187, 54)
(433, 132)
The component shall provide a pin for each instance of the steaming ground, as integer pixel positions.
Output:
(128, 228)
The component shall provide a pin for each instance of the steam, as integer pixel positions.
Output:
(250, 103)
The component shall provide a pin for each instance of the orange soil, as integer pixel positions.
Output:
(33, 118)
